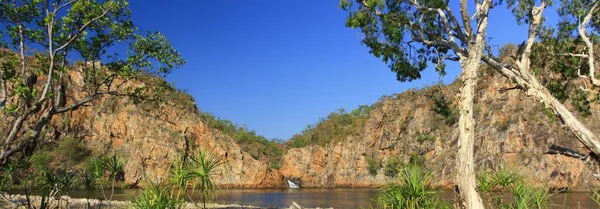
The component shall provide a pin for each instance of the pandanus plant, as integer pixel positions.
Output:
(204, 166)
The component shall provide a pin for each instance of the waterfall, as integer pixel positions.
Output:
(292, 185)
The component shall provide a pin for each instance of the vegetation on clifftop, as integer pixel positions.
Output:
(335, 127)
(258, 146)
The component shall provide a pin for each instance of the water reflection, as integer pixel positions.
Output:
(323, 197)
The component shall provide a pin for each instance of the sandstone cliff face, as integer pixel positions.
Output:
(512, 130)
(151, 138)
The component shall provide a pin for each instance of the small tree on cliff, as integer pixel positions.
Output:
(409, 34)
(32, 91)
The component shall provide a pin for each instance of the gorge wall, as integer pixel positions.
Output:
(512, 130)
(150, 138)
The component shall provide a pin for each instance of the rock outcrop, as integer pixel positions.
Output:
(512, 131)
(151, 138)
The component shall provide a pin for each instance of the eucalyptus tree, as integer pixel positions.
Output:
(410, 34)
(95, 32)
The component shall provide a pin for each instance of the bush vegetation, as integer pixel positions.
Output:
(413, 191)
(259, 147)
(336, 126)
(29, 175)
(523, 195)
(392, 167)
(445, 109)
(373, 164)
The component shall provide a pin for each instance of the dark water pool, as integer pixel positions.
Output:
(324, 197)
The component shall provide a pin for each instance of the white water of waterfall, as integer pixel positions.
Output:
(292, 185)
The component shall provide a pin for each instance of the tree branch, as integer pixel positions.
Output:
(63, 6)
(466, 20)
(4, 92)
(536, 14)
(79, 31)
(589, 45)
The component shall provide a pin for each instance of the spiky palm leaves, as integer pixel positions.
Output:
(204, 167)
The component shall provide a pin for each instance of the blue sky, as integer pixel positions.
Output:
(277, 66)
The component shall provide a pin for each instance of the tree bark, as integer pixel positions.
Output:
(470, 63)
(464, 160)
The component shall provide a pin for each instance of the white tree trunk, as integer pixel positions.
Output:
(464, 161)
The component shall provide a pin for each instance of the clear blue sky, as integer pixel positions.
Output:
(277, 66)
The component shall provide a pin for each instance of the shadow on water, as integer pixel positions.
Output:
(326, 197)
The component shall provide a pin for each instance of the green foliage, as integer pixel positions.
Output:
(595, 196)
(336, 126)
(425, 138)
(203, 167)
(157, 197)
(505, 178)
(394, 22)
(526, 197)
(276, 165)
(392, 167)
(249, 141)
(373, 165)
(70, 150)
(114, 166)
(445, 109)
(484, 182)
(548, 112)
(416, 159)
(97, 32)
(581, 102)
(523, 196)
(412, 192)
(298, 142)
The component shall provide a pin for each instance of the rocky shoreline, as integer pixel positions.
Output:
(66, 202)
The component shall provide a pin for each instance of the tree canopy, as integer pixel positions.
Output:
(117, 59)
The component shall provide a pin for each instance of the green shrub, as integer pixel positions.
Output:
(444, 108)
(412, 192)
(71, 150)
(337, 126)
(276, 165)
(505, 178)
(249, 141)
(157, 197)
(526, 197)
(416, 159)
(425, 138)
(299, 143)
(485, 183)
(392, 167)
(373, 165)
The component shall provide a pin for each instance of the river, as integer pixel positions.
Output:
(326, 197)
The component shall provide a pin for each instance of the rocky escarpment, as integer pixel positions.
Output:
(512, 131)
(150, 138)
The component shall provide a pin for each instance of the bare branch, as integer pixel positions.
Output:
(570, 55)
(456, 25)
(22, 52)
(4, 92)
(63, 6)
(77, 104)
(466, 20)
(534, 25)
(589, 45)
